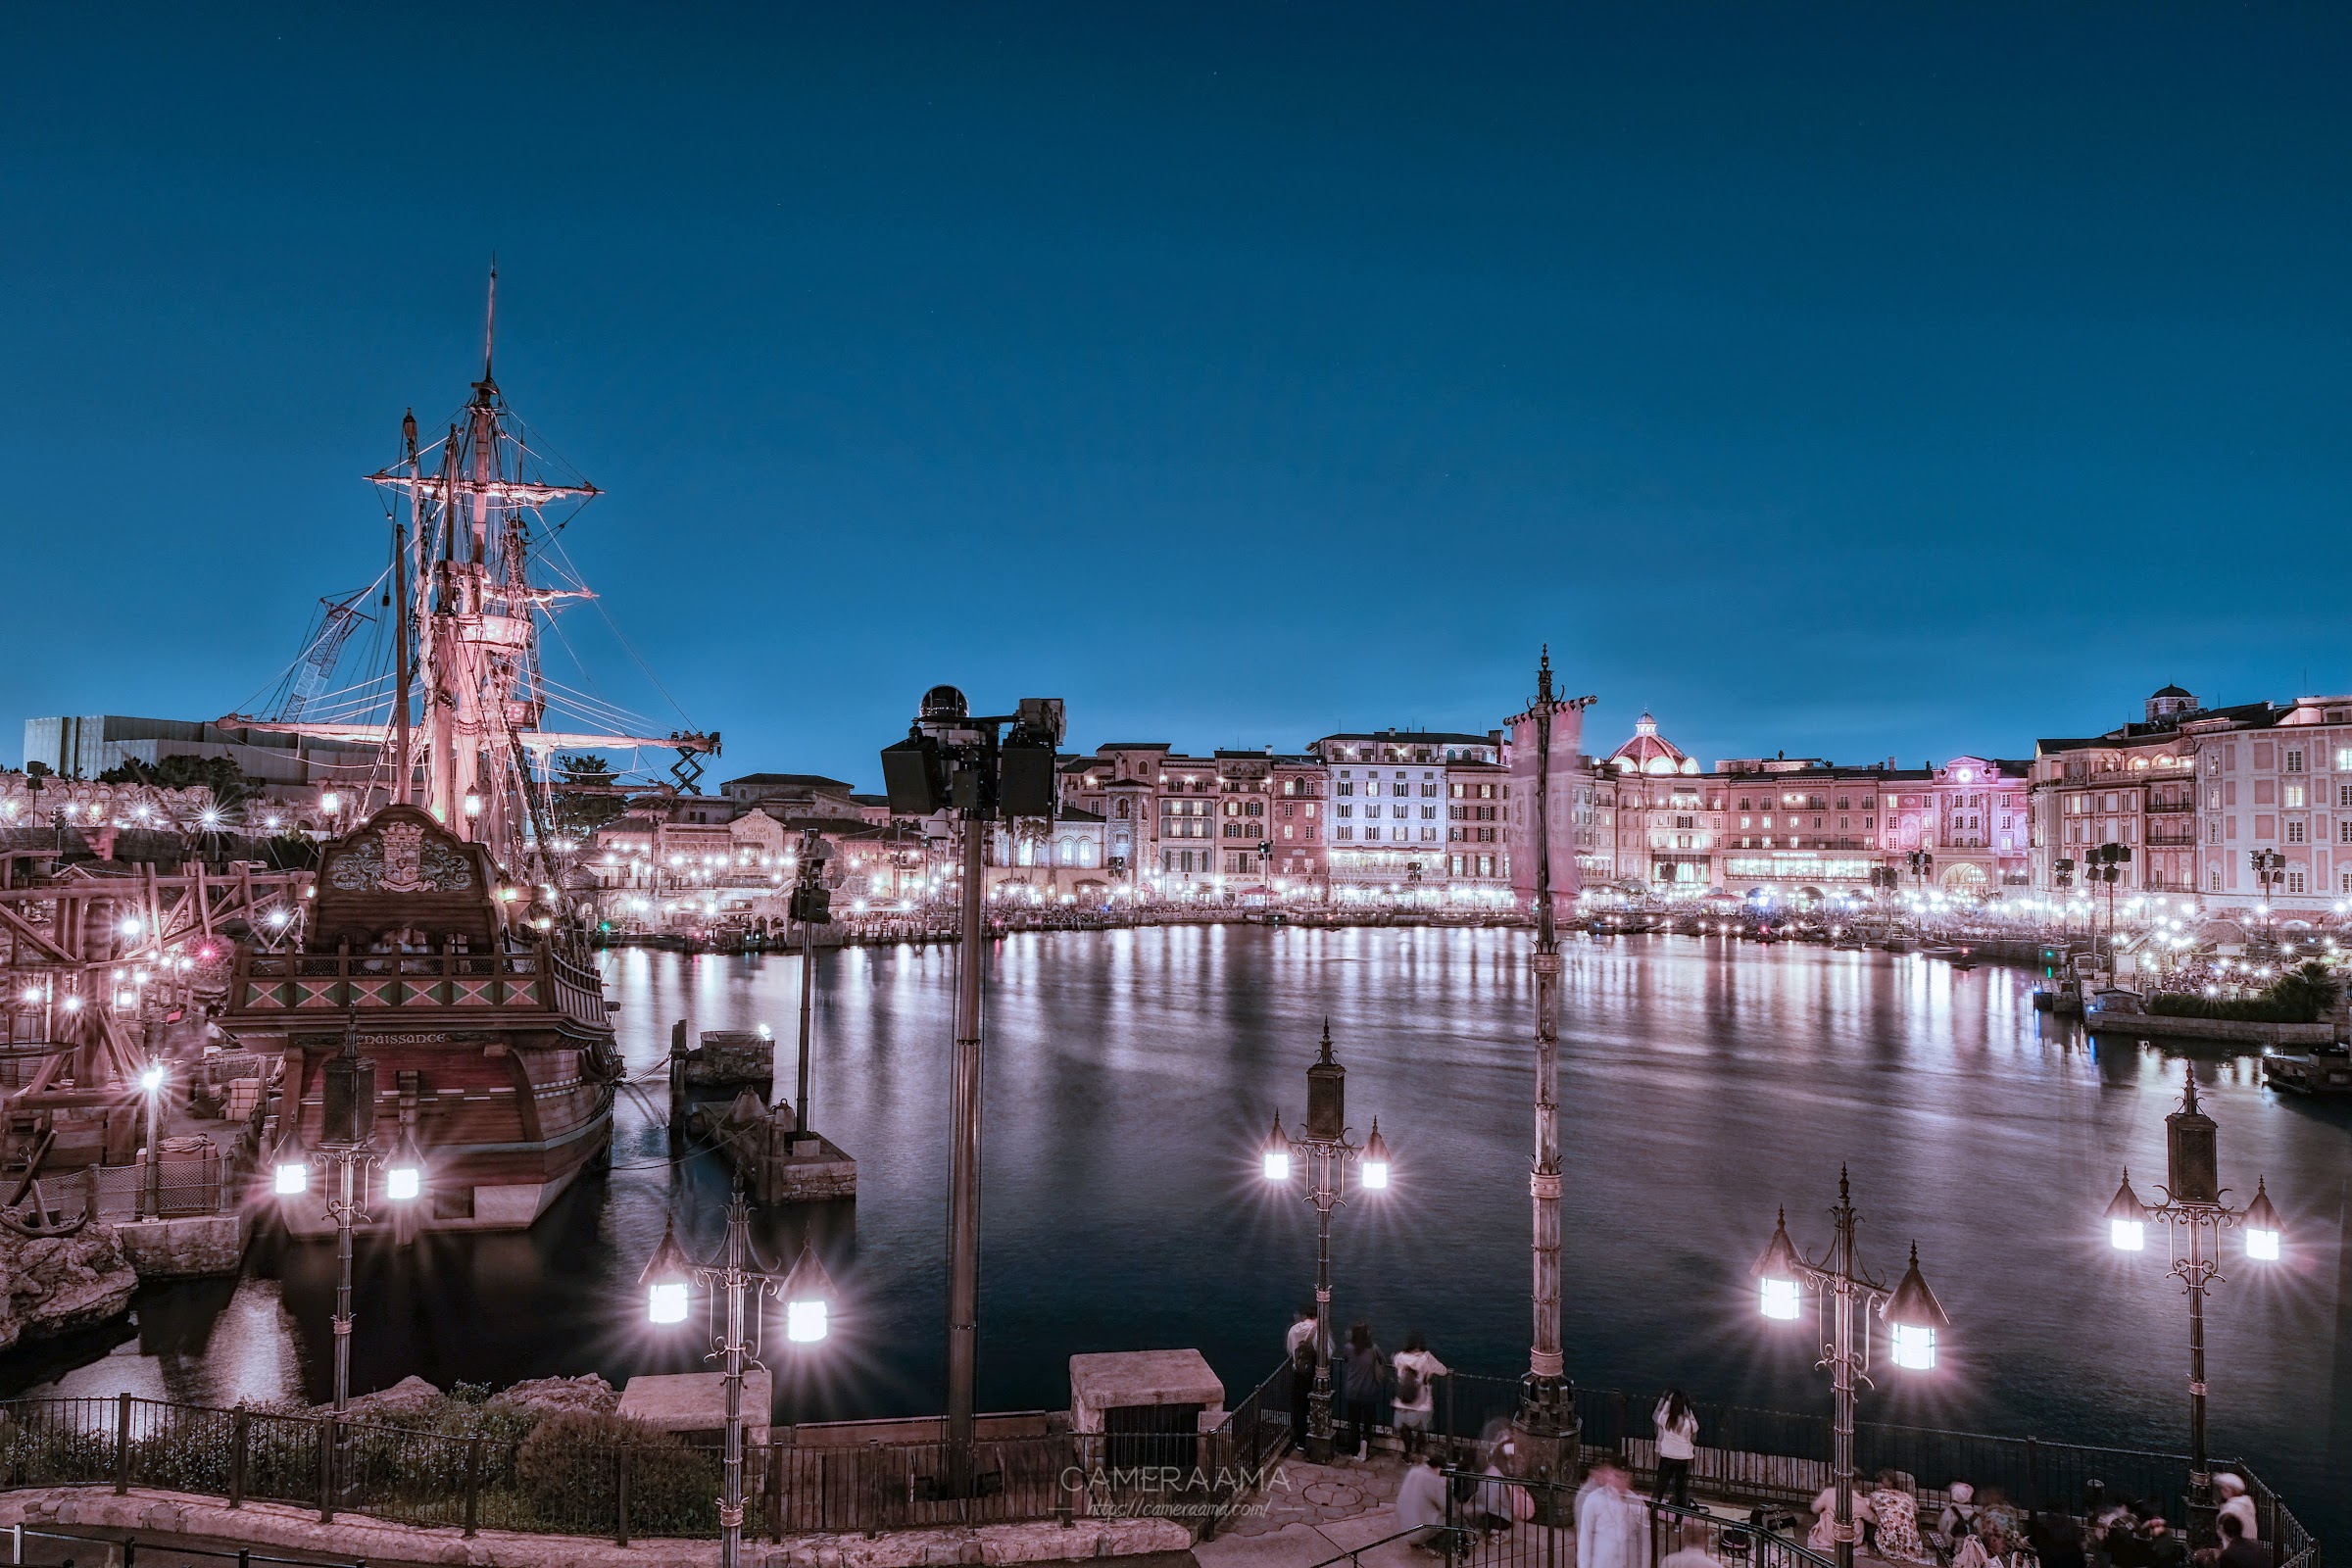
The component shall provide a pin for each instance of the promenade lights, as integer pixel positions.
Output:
(1915, 1325)
(738, 1279)
(474, 801)
(1325, 1150)
(2193, 1216)
(2128, 1217)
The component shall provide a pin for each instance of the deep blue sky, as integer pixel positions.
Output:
(1848, 380)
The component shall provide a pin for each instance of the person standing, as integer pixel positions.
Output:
(1677, 1445)
(1415, 1398)
(1363, 1372)
(1611, 1525)
(1303, 1362)
(2231, 1488)
(1302, 1330)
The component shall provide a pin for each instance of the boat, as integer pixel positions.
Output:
(1961, 959)
(447, 934)
(2320, 1070)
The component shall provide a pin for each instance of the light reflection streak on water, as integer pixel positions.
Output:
(1703, 1083)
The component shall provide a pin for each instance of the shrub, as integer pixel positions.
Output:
(2299, 995)
(569, 1474)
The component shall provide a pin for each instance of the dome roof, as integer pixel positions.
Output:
(1649, 751)
(2169, 691)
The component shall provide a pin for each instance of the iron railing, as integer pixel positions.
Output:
(563, 1478)
(30, 1548)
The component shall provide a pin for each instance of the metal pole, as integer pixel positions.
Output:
(963, 1167)
(1318, 1400)
(343, 1215)
(155, 1157)
(808, 1013)
(1842, 1379)
(730, 1499)
(1544, 1424)
(2200, 1471)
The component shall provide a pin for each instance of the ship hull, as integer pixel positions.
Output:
(499, 1066)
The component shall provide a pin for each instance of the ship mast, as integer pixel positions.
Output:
(469, 627)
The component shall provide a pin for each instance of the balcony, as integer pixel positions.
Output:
(2155, 807)
(2171, 841)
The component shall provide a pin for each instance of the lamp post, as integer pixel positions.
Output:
(811, 905)
(2193, 1216)
(972, 767)
(1324, 1150)
(737, 1279)
(346, 1131)
(1913, 1316)
(151, 1080)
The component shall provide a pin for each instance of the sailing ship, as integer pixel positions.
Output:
(443, 938)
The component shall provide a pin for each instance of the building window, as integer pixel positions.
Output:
(2294, 830)
(1343, 833)
(2295, 879)
(2294, 759)
(2291, 796)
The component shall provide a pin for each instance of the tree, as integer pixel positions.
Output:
(228, 783)
(586, 793)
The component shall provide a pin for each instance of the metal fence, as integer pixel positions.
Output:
(1493, 1523)
(30, 1548)
(567, 1476)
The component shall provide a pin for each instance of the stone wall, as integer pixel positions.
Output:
(188, 1245)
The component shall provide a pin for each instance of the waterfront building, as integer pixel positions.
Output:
(1245, 819)
(1387, 832)
(792, 797)
(1814, 827)
(1120, 783)
(2138, 785)
(1184, 809)
(1665, 817)
(1477, 860)
(1040, 863)
(2277, 779)
(1301, 789)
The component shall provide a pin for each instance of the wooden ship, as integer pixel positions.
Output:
(446, 936)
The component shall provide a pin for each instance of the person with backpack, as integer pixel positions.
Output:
(1415, 1398)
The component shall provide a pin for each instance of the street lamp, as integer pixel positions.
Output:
(151, 1080)
(1914, 1318)
(981, 770)
(346, 1142)
(810, 905)
(737, 1277)
(2193, 1216)
(1326, 1152)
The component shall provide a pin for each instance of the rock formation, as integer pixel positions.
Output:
(56, 1283)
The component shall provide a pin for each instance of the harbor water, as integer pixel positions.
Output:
(1132, 1074)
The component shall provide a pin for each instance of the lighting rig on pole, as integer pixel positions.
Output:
(980, 770)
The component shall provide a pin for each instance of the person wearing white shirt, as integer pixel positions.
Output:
(1611, 1525)
(1677, 1445)
(1414, 1399)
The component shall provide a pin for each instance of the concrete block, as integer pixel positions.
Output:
(697, 1401)
(1125, 1379)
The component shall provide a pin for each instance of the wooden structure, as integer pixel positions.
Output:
(487, 1023)
(100, 962)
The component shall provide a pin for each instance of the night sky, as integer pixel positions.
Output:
(1849, 381)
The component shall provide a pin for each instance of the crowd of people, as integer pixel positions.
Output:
(1612, 1522)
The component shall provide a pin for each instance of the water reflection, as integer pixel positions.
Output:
(1703, 1084)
